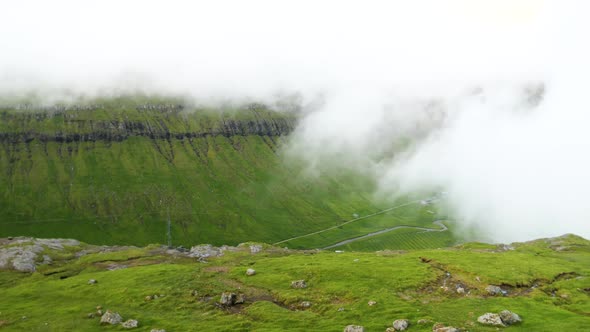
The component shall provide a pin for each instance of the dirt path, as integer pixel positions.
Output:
(438, 222)
(348, 222)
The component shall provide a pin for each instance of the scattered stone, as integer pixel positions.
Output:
(90, 315)
(494, 290)
(99, 312)
(460, 290)
(509, 318)
(205, 251)
(354, 328)
(372, 303)
(477, 278)
(227, 299)
(340, 309)
(157, 330)
(400, 324)
(298, 284)
(194, 292)
(230, 299)
(149, 298)
(439, 327)
(305, 304)
(255, 248)
(250, 272)
(98, 307)
(92, 281)
(490, 319)
(110, 317)
(390, 329)
(46, 260)
(240, 299)
(130, 324)
(424, 321)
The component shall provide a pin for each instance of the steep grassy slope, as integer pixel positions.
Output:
(551, 292)
(113, 171)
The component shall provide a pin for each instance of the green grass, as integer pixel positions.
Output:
(412, 214)
(216, 188)
(405, 285)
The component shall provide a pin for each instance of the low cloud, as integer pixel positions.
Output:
(484, 100)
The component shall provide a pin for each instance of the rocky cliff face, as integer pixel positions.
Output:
(24, 128)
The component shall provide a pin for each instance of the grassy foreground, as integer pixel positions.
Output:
(547, 284)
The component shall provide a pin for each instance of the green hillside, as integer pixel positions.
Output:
(551, 292)
(115, 170)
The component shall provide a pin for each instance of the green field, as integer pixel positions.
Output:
(550, 292)
(407, 212)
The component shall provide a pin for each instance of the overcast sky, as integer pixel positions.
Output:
(255, 46)
(512, 171)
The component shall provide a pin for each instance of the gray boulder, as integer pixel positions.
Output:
(130, 324)
(438, 327)
(205, 251)
(92, 281)
(509, 318)
(490, 319)
(305, 304)
(255, 248)
(354, 328)
(227, 299)
(298, 284)
(110, 317)
(250, 272)
(494, 290)
(400, 324)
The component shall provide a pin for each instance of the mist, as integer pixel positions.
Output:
(481, 99)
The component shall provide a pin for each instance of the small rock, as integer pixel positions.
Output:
(240, 299)
(494, 290)
(340, 309)
(298, 284)
(255, 248)
(509, 318)
(98, 307)
(92, 281)
(99, 312)
(354, 328)
(227, 299)
(157, 330)
(90, 315)
(372, 303)
(390, 329)
(250, 272)
(460, 290)
(439, 327)
(400, 324)
(446, 329)
(490, 319)
(148, 298)
(305, 304)
(110, 317)
(194, 292)
(130, 324)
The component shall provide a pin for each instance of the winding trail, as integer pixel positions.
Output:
(352, 220)
(442, 228)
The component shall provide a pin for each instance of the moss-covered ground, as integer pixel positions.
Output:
(547, 284)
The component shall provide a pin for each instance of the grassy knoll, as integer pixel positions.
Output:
(547, 283)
